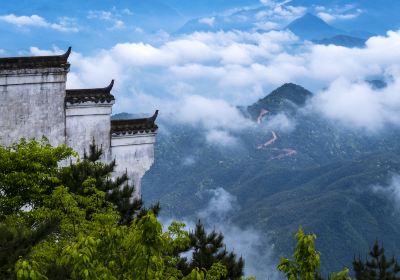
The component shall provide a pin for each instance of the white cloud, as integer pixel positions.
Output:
(92, 71)
(334, 17)
(113, 16)
(266, 25)
(221, 138)
(33, 20)
(128, 12)
(40, 52)
(118, 24)
(220, 204)
(280, 122)
(357, 104)
(189, 75)
(392, 191)
(278, 13)
(138, 30)
(267, 2)
(274, 2)
(246, 242)
(64, 25)
(208, 21)
(217, 118)
(188, 161)
(102, 15)
(211, 114)
(339, 13)
(271, 15)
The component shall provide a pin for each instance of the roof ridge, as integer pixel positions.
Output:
(75, 96)
(32, 62)
(133, 126)
(106, 89)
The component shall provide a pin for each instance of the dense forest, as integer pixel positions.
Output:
(289, 168)
(66, 218)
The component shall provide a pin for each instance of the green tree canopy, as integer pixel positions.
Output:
(77, 222)
(208, 248)
(28, 173)
(376, 266)
(305, 262)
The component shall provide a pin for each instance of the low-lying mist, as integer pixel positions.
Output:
(246, 242)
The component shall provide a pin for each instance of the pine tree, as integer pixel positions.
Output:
(209, 249)
(377, 266)
(74, 229)
(17, 241)
(118, 190)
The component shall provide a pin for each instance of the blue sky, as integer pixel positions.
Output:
(90, 25)
(196, 59)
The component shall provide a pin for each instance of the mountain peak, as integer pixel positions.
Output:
(291, 92)
(308, 19)
(285, 98)
(309, 16)
(309, 27)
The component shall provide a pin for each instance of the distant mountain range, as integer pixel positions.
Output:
(376, 17)
(311, 27)
(307, 27)
(342, 40)
(315, 174)
(370, 18)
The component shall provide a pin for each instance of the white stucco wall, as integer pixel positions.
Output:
(32, 105)
(134, 154)
(86, 121)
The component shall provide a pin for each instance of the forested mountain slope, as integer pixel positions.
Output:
(300, 171)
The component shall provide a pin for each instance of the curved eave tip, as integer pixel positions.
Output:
(154, 117)
(67, 53)
(111, 85)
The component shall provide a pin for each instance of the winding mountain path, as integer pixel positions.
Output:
(261, 116)
(269, 142)
(286, 152)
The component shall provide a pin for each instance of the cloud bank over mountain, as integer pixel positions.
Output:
(196, 75)
(186, 75)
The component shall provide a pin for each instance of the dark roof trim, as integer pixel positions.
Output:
(34, 62)
(97, 95)
(134, 126)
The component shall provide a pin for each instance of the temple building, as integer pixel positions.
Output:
(34, 102)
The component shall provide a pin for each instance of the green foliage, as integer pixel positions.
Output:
(26, 270)
(118, 190)
(341, 275)
(28, 172)
(80, 224)
(216, 272)
(306, 261)
(17, 239)
(377, 266)
(209, 249)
